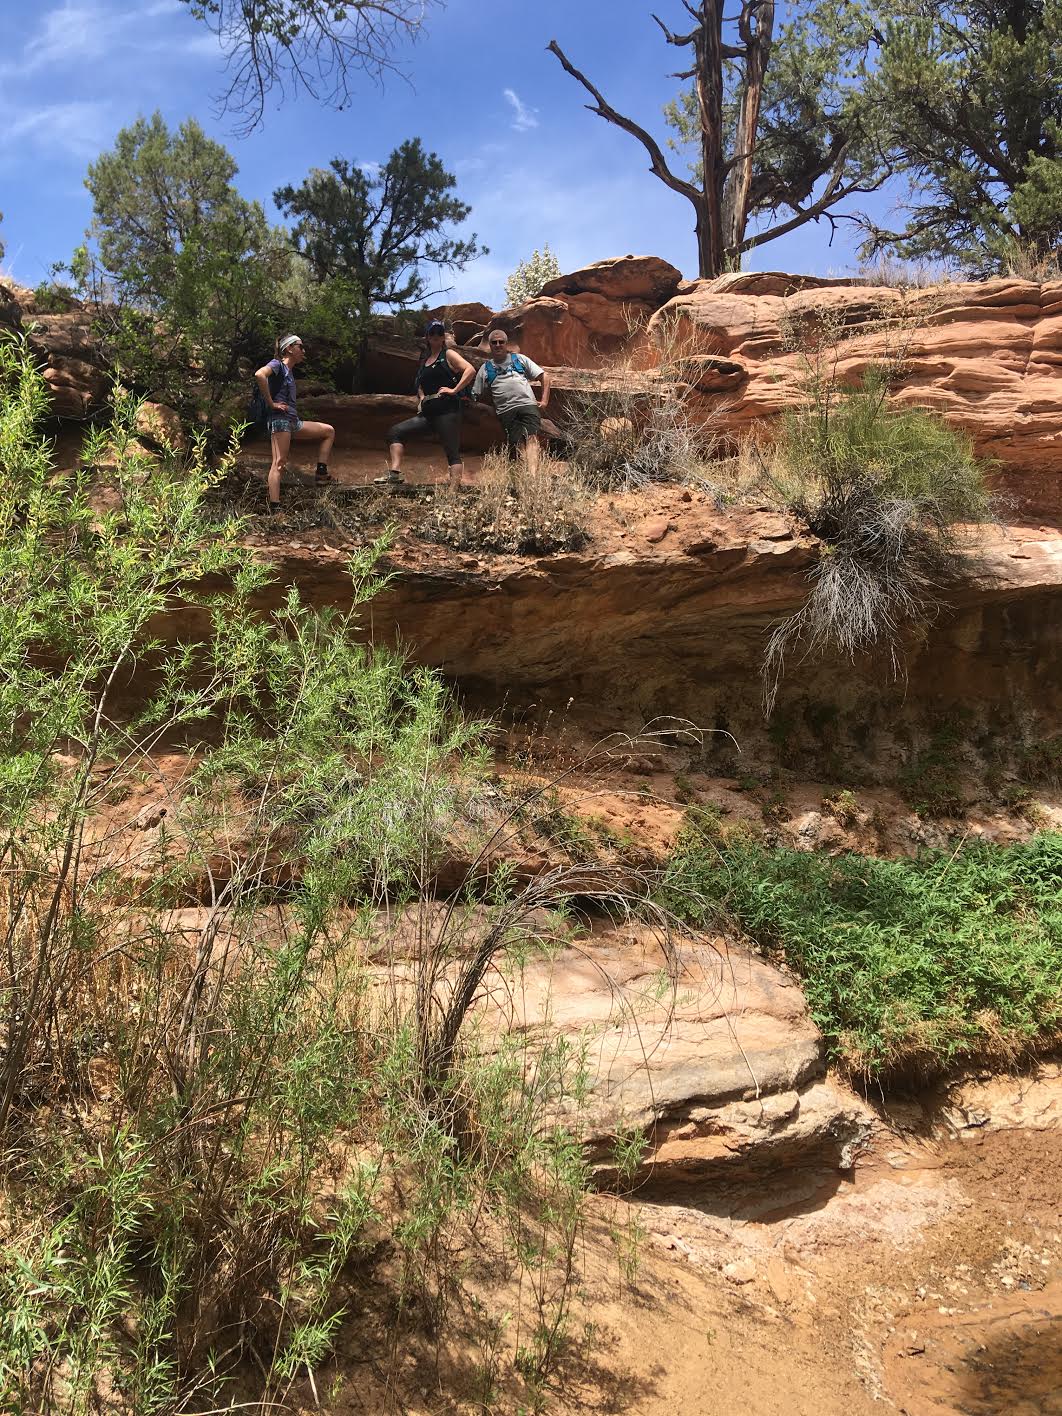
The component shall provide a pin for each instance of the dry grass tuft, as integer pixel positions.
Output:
(637, 427)
(514, 509)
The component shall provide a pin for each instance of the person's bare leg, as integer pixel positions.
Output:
(281, 444)
(395, 451)
(457, 474)
(324, 435)
(531, 454)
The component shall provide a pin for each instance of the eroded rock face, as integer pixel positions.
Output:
(645, 278)
(717, 1066)
(67, 347)
(588, 317)
(633, 627)
(987, 356)
(362, 420)
(468, 320)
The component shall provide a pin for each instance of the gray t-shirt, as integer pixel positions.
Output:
(509, 388)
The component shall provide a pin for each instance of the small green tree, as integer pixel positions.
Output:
(382, 229)
(972, 96)
(529, 276)
(187, 274)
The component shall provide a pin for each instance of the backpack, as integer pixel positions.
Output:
(258, 410)
(517, 364)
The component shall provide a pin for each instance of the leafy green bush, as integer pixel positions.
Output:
(884, 489)
(907, 964)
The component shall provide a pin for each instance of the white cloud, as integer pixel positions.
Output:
(78, 129)
(80, 32)
(524, 118)
(74, 33)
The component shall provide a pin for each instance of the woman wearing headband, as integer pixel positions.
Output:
(441, 379)
(276, 380)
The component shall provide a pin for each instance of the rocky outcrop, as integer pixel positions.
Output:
(362, 420)
(666, 612)
(467, 320)
(645, 280)
(67, 348)
(585, 319)
(707, 1054)
(392, 360)
(987, 356)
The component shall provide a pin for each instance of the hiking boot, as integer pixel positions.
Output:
(389, 479)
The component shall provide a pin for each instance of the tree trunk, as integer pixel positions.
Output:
(708, 52)
(757, 31)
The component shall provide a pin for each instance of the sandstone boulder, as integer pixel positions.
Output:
(361, 420)
(587, 318)
(725, 1072)
(10, 308)
(585, 330)
(468, 320)
(391, 362)
(161, 425)
(68, 335)
(77, 387)
(647, 279)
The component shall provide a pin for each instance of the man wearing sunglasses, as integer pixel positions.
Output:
(508, 378)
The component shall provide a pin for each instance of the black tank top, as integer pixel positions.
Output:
(437, 374)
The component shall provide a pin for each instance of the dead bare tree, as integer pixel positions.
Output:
(742, 171)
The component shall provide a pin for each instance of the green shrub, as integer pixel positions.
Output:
(884, 489)
(908, 965)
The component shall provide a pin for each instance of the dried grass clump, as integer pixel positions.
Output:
(886, 491)
(638, 427)
(896, 274)
(514, 509)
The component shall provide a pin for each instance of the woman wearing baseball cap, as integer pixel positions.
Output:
(441, 379)
(276, 380)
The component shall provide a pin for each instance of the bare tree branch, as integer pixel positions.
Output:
(601, 106)
(833, 193)
(314, 45)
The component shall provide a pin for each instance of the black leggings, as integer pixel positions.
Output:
(446, 425)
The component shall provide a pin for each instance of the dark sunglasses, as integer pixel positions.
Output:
(497, 343)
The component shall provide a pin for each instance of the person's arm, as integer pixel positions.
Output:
(460, 366)
(261, 378)
(480, 380)
(544, 400)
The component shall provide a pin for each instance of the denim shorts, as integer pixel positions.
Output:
(284, 424)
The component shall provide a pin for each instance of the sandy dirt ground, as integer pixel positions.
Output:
(928, 1282)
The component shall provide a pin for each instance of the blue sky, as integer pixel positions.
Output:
(480, 90)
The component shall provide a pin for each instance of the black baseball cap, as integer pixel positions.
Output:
(435, 327)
